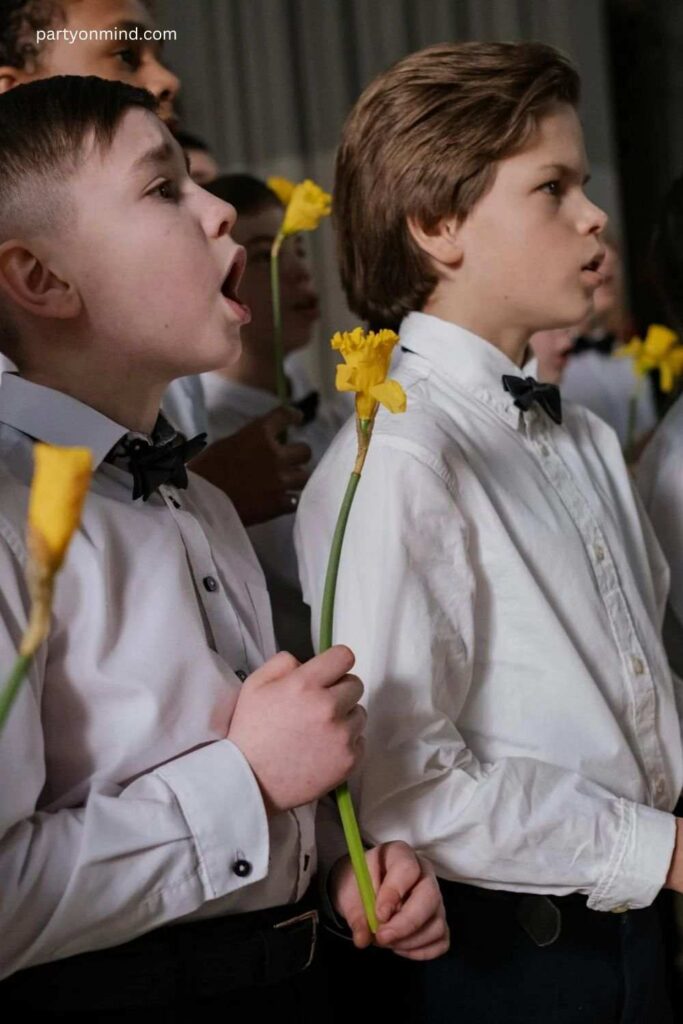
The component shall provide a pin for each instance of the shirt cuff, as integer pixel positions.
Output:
(222, 803)
(640, 861)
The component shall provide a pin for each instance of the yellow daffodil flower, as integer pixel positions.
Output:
(367, 357)
(60, 483)
(282, 187)
(660, 350)
(307, 206)
(61, 479)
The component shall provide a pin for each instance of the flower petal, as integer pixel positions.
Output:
(60, 483)
(391, 395)
(346, 378)
(282, 187)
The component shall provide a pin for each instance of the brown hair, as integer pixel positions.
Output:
(423, 141)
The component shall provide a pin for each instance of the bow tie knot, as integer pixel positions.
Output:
(526, 391)
(158, 461)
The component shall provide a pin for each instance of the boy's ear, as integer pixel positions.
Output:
(9, 77)
(29, 282)
(442, 242)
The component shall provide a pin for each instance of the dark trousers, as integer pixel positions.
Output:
(235, 968)
(602, 968)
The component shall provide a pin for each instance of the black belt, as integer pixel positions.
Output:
(195, 960)
(541, 917)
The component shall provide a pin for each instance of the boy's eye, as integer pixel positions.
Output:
(129, 57)
(553, 188)
(166, 190)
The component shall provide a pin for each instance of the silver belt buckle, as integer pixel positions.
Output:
(312, 916)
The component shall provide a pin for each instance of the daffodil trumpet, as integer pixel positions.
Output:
(364, 371)
(60, 483)
(660, 350)
(305, 205)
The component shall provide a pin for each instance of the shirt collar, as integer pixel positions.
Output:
(465, 360)
(55, 418)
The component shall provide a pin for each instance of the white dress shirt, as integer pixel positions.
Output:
(123, 805)
(231, 406)
(604, 384)
(503, 597)
(659, 476)
(183, 406)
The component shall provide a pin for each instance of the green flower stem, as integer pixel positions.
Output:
(278, 341)
(344, 801)
(11, 687)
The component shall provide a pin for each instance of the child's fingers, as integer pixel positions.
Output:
(423, 904)
(432, 932)
(402, 871)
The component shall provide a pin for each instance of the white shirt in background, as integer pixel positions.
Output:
(123, 805)
(659, 476)
(503, 596)
(230, 407)
(604, 384)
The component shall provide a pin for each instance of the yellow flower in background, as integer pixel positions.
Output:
(367, 357)
(661, 350)
(307, 206)
(60, 483)
(282, 187)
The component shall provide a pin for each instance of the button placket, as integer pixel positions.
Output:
(614, 601)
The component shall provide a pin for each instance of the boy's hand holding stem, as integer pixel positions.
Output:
(300, 726)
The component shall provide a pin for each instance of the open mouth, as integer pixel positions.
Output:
(595, 263)
(230, 286)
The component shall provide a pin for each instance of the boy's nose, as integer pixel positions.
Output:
(162, 82)
(594, 219)
(222, 216)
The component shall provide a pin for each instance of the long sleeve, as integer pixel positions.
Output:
(131, 857)
(415, 607)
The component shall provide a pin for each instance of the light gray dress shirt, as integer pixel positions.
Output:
(123, 806)
(504, 596)
(659, 476)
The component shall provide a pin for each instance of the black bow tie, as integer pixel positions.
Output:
(159, 461)
(603, 346)
(526, 391)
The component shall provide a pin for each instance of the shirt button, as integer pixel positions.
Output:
(660, 787)
(637, 665)
(599, 552)
(242, 868)
(544, 449)
(241, 674)
(210, 584)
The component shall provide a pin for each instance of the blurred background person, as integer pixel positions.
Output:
(203, 164)
(247, 389)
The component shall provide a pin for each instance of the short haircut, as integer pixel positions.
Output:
(44, 129)
(246, 193)
(666, 255)
(423, 141)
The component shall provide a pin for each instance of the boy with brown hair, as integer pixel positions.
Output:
(161, 762)
(522, 724)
